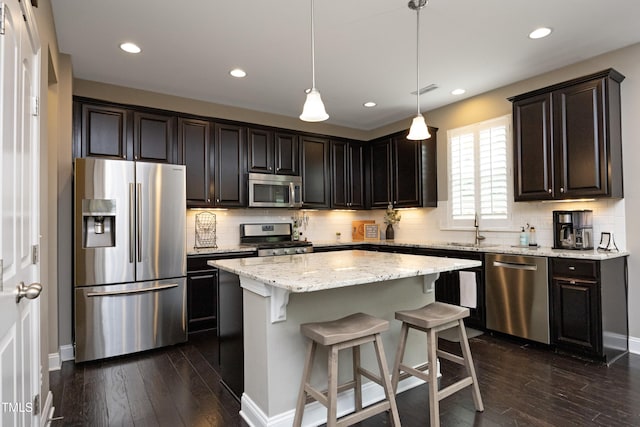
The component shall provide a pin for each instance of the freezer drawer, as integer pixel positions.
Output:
(119, 319)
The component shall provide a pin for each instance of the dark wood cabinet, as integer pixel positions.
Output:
(448, 284)
(114, 131)
(194, 139)
(403, 172)
(101, 131)
(272, 151)
(315, 168)
(589, 307)
(347, 175)
(567, 139)
(154, 137)
(202, 294)
(230, 174)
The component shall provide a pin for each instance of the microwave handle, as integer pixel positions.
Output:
(292, 194)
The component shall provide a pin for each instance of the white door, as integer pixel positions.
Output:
(19, 195)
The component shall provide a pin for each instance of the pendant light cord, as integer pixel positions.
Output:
(417, 58)
(313, 51)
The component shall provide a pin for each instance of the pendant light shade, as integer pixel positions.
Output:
(313, 110)
(418, 130)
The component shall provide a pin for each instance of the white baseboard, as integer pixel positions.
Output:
(64, 354)
(634, 345)
(315, 414)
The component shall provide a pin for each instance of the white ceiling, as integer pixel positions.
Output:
(365, 49)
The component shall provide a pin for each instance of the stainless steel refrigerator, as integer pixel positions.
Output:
(130, 257)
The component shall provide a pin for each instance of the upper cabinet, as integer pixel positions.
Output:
(403, 172)
(101, 131)
(567, 139)
(230, 172)
(194, 138)
(272, 152)
(154, 137)
(316, 172)
(111, 131)
(347, 175)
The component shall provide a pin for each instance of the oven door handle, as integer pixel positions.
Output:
(132, 291)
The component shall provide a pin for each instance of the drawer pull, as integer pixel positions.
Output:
(572, 268)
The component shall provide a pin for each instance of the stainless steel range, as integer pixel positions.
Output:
(273, 239)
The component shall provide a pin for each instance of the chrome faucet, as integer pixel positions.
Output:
(479, 238)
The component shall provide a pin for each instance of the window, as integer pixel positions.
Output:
(480, 173)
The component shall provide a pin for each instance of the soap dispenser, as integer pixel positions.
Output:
(524, 238)
(532, 237)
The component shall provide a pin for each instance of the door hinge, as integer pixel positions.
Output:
(35, 255)
(36, 404)
(3, 14)
(35, 109)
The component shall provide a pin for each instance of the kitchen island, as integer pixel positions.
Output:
(280, 293)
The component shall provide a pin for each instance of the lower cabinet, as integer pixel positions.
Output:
(448, 285)
(202, 294)
(589, 307)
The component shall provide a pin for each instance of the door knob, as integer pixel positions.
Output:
(30, 292)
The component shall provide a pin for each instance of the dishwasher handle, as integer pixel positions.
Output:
(515, 266)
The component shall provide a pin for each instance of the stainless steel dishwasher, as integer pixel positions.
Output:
(517, 296)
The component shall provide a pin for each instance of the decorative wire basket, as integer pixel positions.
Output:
(206, 230)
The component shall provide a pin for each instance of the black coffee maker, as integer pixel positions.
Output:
(573, 229)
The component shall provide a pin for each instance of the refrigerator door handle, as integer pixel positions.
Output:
(132, 215)
(139, 221)
(132, 291)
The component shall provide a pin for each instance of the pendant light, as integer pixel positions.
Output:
(313, 110)
(418, 130)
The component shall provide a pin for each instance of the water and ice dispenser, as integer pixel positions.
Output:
(98, 223)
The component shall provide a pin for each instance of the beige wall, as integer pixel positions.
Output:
(482, 107)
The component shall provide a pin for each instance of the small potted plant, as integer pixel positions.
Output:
(391, 216)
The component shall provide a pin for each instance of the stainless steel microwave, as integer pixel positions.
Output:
(275, 191)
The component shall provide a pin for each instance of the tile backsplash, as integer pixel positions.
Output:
(423, 224)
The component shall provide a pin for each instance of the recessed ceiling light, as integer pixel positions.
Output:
(130, 47)
(539, 33)
(369, 104)
(237, 72)
(458, 91)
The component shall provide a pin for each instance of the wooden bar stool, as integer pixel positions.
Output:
(433, 318)
(349, 332)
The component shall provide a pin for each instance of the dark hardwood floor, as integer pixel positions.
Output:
(521, 385)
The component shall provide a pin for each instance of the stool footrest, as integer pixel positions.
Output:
(455, 387)
(420, 372)
(373, 377)
(451, 357)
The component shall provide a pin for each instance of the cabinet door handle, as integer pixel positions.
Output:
(562, 189)
(549, 190)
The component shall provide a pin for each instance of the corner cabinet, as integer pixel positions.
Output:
(403, 172)
(567, 139)
(315, 168)
(589, 307)
(347, 175)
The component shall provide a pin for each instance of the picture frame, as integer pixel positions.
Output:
(371, 232)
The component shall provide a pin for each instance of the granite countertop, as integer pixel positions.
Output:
(328, 270)
(484, 247)
(544, 251)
